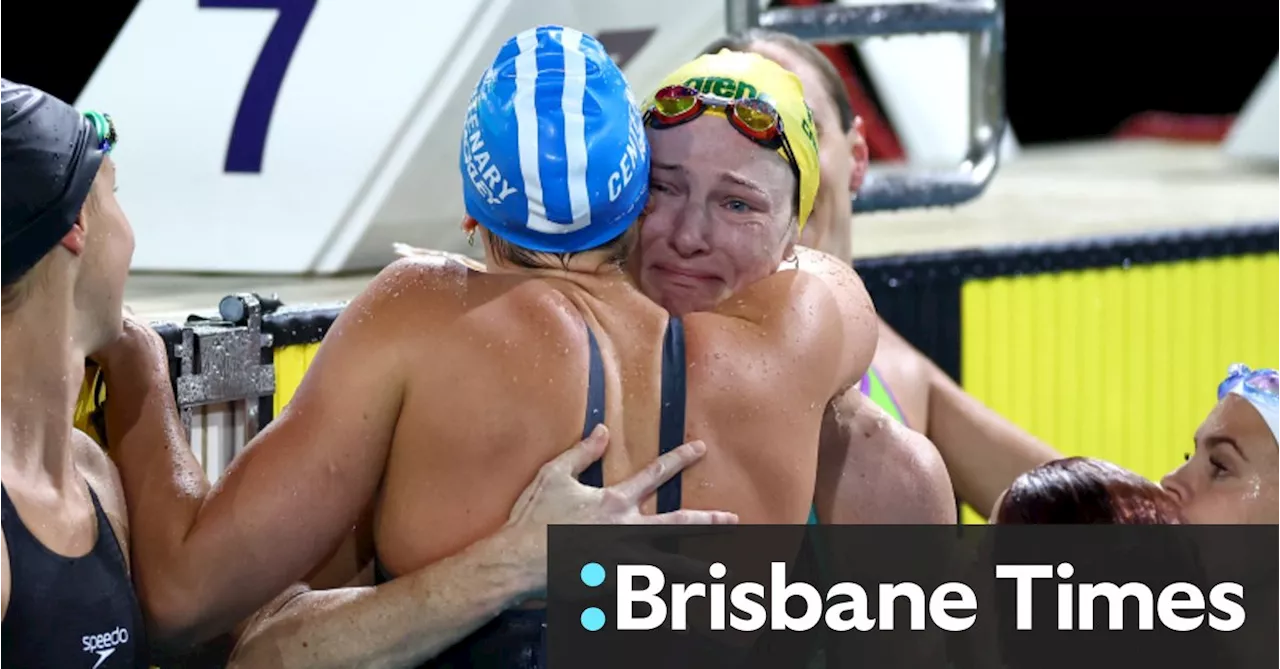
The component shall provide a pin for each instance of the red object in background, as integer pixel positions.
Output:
(1180, 127)
(882, 143)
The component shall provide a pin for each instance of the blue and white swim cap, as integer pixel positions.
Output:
(554, 154)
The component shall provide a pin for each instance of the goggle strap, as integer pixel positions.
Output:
(105, 129)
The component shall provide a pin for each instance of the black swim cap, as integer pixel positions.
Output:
(51, 155)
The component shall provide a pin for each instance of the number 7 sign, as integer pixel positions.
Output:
(299, 137)
(253, 119)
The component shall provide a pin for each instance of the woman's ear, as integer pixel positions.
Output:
(73, 241)
(861, 155)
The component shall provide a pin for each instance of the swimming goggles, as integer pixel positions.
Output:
(105, 128)
(754, 118)
(1259, 387)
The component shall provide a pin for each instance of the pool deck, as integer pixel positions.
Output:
(1044, 194)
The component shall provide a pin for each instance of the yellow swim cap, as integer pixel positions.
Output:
(735, 75)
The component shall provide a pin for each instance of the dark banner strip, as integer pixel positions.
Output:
(924, 310)
(292, 326)
(1092, 253)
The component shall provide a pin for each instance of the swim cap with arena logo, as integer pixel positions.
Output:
(554, 154)
(734, 75)
(51, 154)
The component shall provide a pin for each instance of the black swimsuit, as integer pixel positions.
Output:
(516, 639)
(70, 611)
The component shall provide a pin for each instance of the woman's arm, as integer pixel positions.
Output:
(205, 558)
(396, 624)
(414, 617)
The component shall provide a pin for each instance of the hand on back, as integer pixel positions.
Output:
(556, 497)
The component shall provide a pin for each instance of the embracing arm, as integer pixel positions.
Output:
(416, 616)
(984, 451)
(206, 558)
(874, 470)
(396, 624)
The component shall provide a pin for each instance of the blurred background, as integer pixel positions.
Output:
(1075, 70)
(1094, 291)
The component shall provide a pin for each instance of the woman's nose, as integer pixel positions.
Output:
(689, 238)
(1174, 485)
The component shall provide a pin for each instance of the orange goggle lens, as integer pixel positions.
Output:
(675, 101)
(757, 116)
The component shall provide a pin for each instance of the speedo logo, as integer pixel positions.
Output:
(105, 644)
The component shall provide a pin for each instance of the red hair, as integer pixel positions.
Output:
(1081, 490)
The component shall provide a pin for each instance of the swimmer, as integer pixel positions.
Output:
(1231, 478)
(983, 451)
(67, 596)
(715, 226)
(425, 391)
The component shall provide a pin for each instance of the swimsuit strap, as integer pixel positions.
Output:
(594, 474)
(674, 392)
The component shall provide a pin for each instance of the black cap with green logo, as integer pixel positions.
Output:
(51, 154)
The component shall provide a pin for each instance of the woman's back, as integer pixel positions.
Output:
(497, 369)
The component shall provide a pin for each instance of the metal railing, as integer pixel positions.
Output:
(221, 372)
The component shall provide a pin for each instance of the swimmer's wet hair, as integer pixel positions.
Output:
(619, 249)
(15, 294)
(12, 296)
(1081, 490)
(831, 80)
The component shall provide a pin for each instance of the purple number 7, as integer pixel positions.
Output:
(249, 132)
